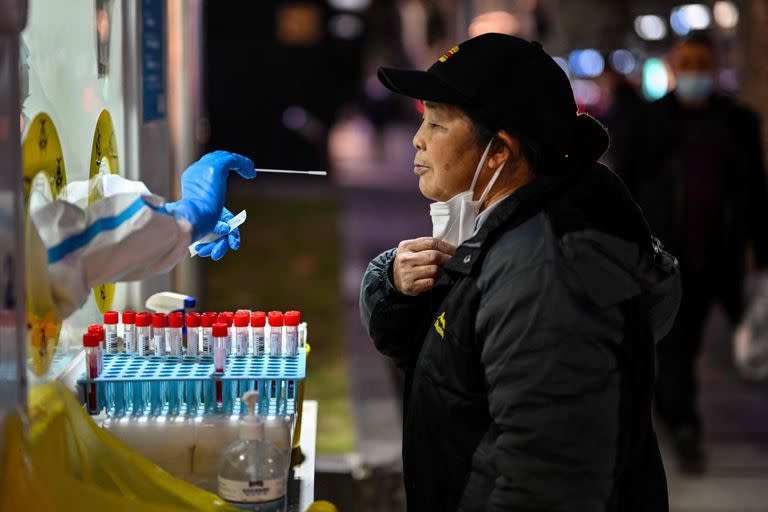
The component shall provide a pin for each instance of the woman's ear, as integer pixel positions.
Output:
(506, 148)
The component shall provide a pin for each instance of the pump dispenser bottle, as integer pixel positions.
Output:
(253, 474)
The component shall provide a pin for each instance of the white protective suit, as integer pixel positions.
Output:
(125, 236)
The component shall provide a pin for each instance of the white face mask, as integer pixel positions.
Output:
(453, 221)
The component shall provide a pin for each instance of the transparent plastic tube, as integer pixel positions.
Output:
(159, 323)
(292, 319)
(143, 334)
(129, 332)
(93, 356)
(98, 330)
(219, 354)
(193, 334)
(242, 328)
(275, 333)
(258, 321)
(110, 332)
(207, 321)
(175, 323)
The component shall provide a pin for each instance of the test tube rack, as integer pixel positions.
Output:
(130, 385)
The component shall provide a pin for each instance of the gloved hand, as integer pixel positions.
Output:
(216, 250)
(204, 187)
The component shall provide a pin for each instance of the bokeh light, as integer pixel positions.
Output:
(650, 27)
(655, 78)
(726, 14)
(623, 61)
(586, 63)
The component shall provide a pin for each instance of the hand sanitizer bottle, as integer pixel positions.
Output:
(253, 474)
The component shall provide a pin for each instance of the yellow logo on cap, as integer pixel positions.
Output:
(450, 53)
(440, 325)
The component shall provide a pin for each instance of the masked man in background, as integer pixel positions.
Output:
(701, 183)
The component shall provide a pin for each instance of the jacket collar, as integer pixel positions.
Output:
(516, 208)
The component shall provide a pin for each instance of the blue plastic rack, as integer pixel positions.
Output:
(131, 385)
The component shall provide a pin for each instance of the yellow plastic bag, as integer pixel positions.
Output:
(63, 461)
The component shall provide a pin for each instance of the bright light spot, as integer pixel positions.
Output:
(586, 63)
(563, 64)
(655, 79)
(623, 61)
(143, 419)
(345, 26)
(650, 27)
(500, 22)
(162, 419)
(726, 14)
(586, 92)
(690, 17)
(350, 5)
(294, 117)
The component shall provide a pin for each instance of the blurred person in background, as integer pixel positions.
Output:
(526, 323)
(622, 113)
(702, 187)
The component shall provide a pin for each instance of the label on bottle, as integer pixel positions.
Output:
(254, 491)
(159, 344)
(258, 344)
(144, 348)
(191, 343)
(176, 344)
(291, 342)
(241, 344)
(206, 343)
(130, 342)
(275, 343)
(111, 340)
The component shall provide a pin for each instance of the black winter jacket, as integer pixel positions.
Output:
(657, 185)
(529, 367)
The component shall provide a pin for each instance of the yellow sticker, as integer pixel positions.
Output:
(450, 53)
(104, 159)
(42, 162)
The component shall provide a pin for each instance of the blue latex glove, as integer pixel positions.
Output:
(204, 187)
(216, 250)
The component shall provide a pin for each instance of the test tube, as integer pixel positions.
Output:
(227, 317)
(143, 335)
(129, 332)
(242, 327)
(110, 332)
(292, 319)
(99, 331)
(219, 353)
(207, 322)
(92, 346)
(258, 321)
(159, 323)
(193, 334)
(275, 333)
(175, 324)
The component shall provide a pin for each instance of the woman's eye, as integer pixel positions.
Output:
(433, 125)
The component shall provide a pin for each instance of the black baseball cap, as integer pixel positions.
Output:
(506, 82)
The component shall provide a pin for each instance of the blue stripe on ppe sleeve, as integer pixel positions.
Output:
(78, 241)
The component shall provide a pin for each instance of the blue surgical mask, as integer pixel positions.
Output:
(694, 87)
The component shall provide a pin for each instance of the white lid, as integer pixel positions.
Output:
(251, 427)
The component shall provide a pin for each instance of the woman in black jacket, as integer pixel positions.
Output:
(526, 323)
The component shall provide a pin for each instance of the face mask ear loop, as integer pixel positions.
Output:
(491, 183)
(480, 166)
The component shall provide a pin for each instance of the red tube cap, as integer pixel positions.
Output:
(193, 320)
(91, 339)
(220, 330)
(176, 321)
(129, 317)
(208, 320)
(258, 319)
(159, 320)
(110, 317)
(143, 320)
(98, 329)
(242, 320)
(275, 318)
(292, 318)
